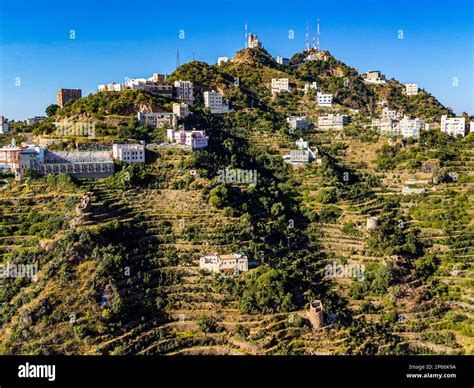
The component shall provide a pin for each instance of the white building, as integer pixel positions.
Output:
(192, 138)
(453, 126)
(324, 99)
(295, 122)
(4, 126)
(280, 85)
(34, 120)
(181, 110)
(374, 77)
(301, 144)
(130, 153)
(222, 60)
(112, 87)
(253, 42)
(389, 113)
(283, 61)
(184, 91)
(158, 119)
(386, 126)
(215, 102)
(411, 127)
(332, 121)
(236, 262)
(312, 86)
(411, 89)
(300, 156)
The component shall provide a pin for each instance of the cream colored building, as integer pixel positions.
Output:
(218, 263)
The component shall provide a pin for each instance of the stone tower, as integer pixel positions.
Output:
(315, 314)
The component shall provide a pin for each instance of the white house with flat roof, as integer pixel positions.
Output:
(453, 126)
(332, 121)
(411, 127)
(236, 262)
(324, 99)
(280, 85)
(215, 102)
(295, 122)
(192, 139)
(129, 153)
(411, 89)
(4, 126)
(184, 91)
(158, 119)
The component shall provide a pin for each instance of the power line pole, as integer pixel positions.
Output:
(307, 36)
(319, 37)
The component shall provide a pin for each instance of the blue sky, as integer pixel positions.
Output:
(135, 38)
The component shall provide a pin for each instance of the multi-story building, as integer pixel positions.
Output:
(192, 138)
(300, 156)
(222, 60)
(332, 121)
(215, 102)
(411, 89)
(283, 61)
(34, 120)
(389, 113)
(9, 156)
(324, 99)
(112, 87)
(386, 126)
(156, 77)
(66, 95)
(129, 153)
(236, 262)
(159, 87)
(301, 144)
(158, 119)
(4, 126)
(453, 126)
(253, 42)
(184, 91)
(181, 110)
(411, 127)
(295, 122)
(80, 164)
(280, 85)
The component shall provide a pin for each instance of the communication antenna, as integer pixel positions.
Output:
(307, 36)
(319, 37)
(177, 58)
(246, 34)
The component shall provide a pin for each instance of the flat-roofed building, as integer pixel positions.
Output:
(411, 127)
(158, 119)
(295, 122)
(129, 153)
(181, 110)
(4, 125)
(280, 85)
(453, 126)
(215, 102)
(411, 89)
(386, 126)
(324, 99)
(67, 95)
(184, 91)
(235, 262)
(283, 61)
(193, 139)
(332, 121)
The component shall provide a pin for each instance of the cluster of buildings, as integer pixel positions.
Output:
(80, 164)
(390, 124)
(156, 84)
(216, 263)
